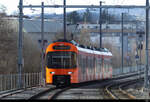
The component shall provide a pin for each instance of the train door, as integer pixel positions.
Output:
(107, 67)
(102, 67)
(79, 67)
(94, 68)
(84, 68)
(99, 67)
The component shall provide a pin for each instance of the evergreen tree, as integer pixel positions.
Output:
(73, 17)
(107, 17)
(87, 16)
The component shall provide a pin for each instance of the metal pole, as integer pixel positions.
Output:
(140, 58)
(20, 45)
(42, 42)
(65, 19)
(122, 40)
(100, 24)
(147, 37)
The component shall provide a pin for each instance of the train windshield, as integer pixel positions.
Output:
(61, 59)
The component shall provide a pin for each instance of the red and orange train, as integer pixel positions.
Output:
(68, 63)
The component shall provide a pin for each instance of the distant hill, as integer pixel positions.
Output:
(47, 16)
(131, 15)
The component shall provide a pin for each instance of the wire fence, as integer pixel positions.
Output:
(118, 71)
(10, 81)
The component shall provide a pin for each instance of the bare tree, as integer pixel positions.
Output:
(9, 52)
(84, 38)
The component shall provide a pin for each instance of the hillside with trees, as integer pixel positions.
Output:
(89, 17)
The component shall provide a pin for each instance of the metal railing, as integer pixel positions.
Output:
(118, 71)
(10, 81)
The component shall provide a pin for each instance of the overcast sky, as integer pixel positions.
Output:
(11, 5)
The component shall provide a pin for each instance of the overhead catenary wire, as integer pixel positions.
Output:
(53, 3)
(122, 1)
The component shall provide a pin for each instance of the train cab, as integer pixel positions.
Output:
(61, 63)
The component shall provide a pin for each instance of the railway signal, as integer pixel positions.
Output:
(140, 46)
(137, 57)
(140, 39)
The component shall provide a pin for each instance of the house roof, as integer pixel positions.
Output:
(35, 25)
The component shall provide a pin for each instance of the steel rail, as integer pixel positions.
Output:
(126, 84)
(42, 93)
(121, 84)
(124, 93)
(55, 95)
(9, 93)
(110, 93)
(128, 94)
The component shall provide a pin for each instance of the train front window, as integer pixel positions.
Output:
(61, 59)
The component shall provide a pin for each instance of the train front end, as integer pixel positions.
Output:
(61, 63)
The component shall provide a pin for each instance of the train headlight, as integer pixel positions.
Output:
(52, 72)
(70, 72)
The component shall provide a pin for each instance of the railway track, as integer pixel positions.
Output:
(73, 91)
(54, 93)
(50, 94)
(116, 90)
(23, 94)
(94, 93)
(87, 93)
(57, 93)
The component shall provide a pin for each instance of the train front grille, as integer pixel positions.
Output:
(61, 79)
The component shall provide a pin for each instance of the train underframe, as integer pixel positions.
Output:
(61, 80)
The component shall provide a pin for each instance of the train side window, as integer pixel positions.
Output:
(94, 62)
(108, 63)
(99, 62)
(105, 64)
(78, 60)
(90, 62)
(84, 63)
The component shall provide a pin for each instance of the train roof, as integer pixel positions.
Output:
(105, 53)
(88, 49)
